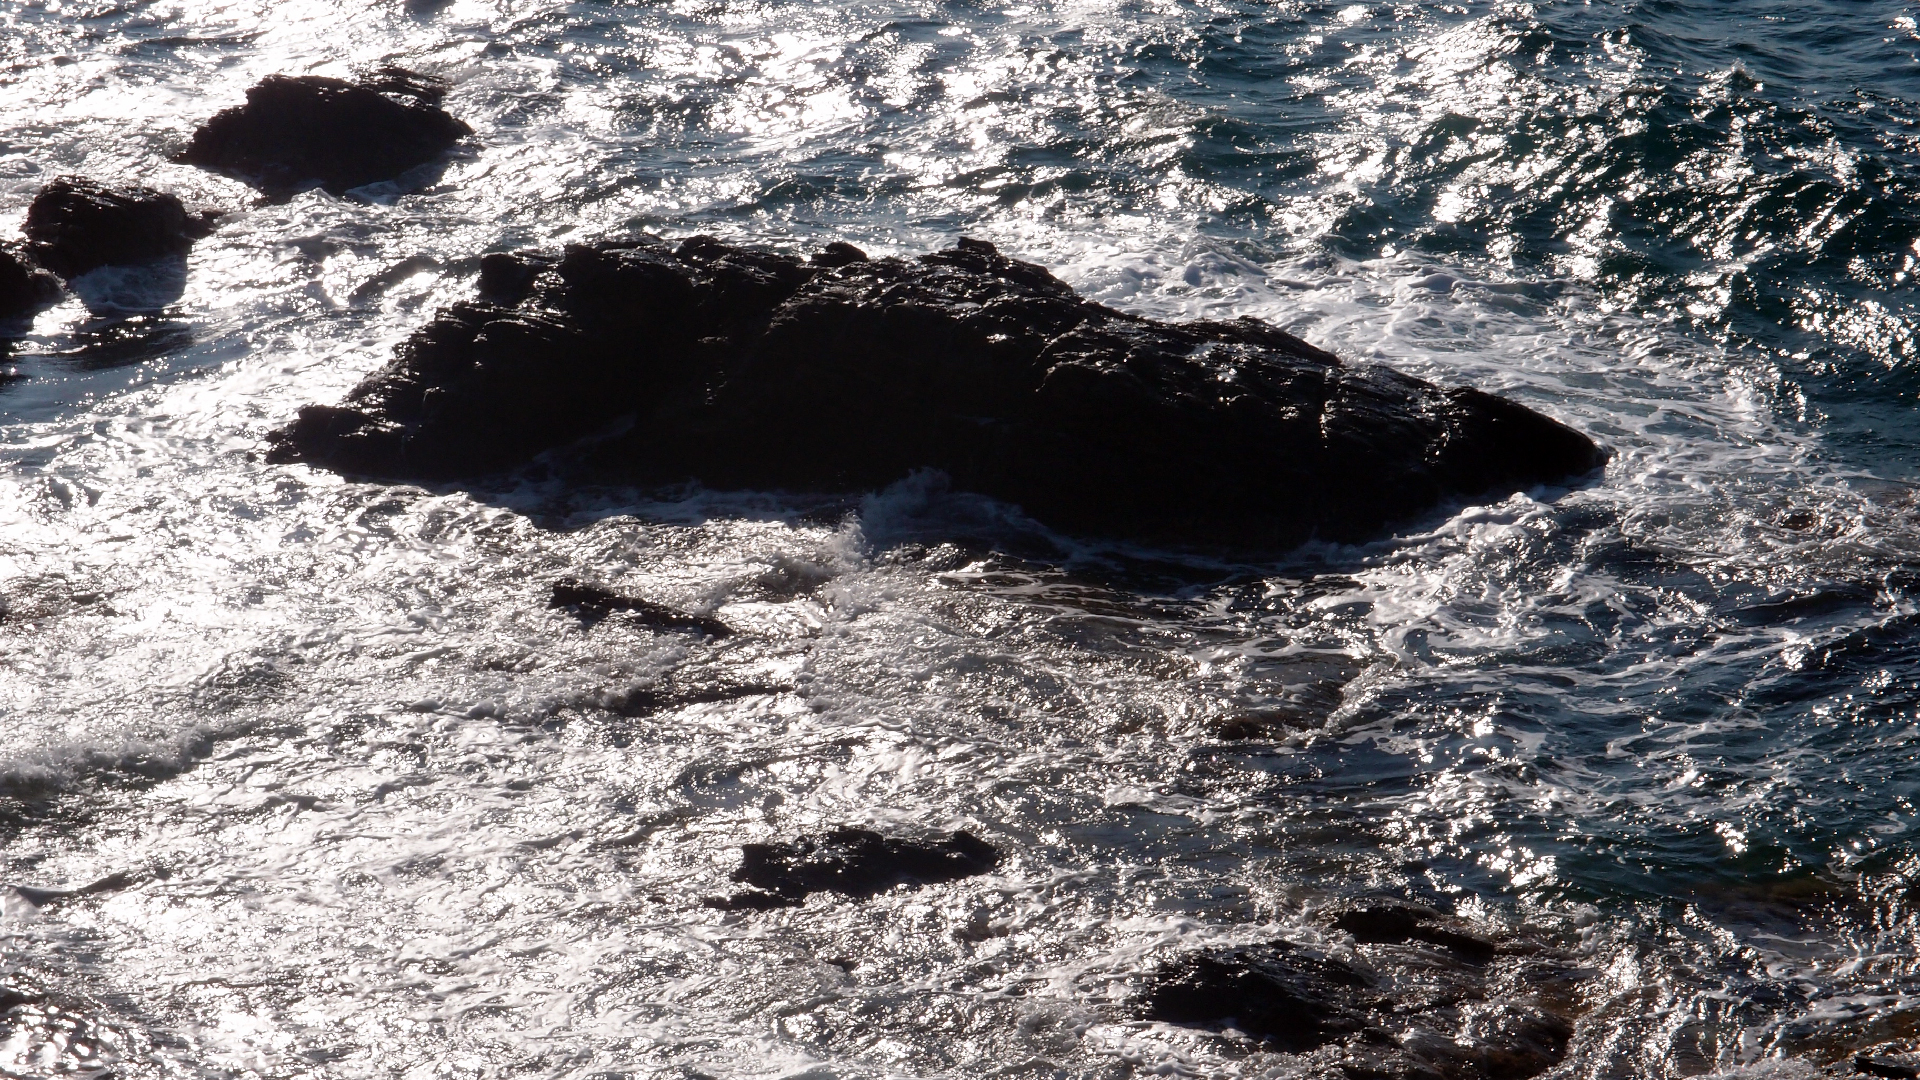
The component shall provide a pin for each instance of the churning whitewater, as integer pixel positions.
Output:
(535, 774)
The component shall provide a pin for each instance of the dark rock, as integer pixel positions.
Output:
(304, 129)
(75, 225)
(24, 287)
(1431, 1023)
(853, 862)
(114, 882)
(839, 253)
(675, 692)
(1266, 724)
(1886, 1065)
(746, 369)
(596, 603)
(1397, 924)
(1280, 994)
(506, 278)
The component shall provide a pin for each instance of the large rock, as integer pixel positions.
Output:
(24, 287)
(299, 130)
(75, 225)
(1378, 1017)
(745, 369)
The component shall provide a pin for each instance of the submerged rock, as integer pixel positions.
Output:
(745, 369)
(296, 130)
(1398, 924)
(75, 225)
(24, 287)
(1444, 1023)
(1889, 1065)
(594, 602)
(1278, 993)
(42, 898)
(853, 862)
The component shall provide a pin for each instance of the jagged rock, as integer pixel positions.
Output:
(296, 130)
(853, 862)
(747, 369)
(1434, 1023)
(24, 287)
(594, 602)
(75, 225)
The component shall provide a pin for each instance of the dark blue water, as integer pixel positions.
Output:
(381, 821)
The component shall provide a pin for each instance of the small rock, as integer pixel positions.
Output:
(595, 603)
(506, 278)
(853, 862)
(296, 130)
(1266, 724)
(24, 287)
(1397, 924)
(1887, 1065)
(115, 882)
(839, 253)
(1279, 993)
(75, 225)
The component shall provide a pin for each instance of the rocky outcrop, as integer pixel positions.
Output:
(24, 287)
(75, 225)
(853, 862)
(746, 369)
(1438, 1021)
(298, 130)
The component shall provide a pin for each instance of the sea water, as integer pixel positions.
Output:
(357, 803)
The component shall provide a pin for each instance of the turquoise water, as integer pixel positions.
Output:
(368, 786)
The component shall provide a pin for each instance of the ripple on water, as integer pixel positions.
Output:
(369, 806)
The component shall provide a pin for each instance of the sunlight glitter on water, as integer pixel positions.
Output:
(384, 813)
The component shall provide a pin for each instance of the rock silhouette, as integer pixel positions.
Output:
(593, 603)
(853, 862)
(1397, 924)
(296, 130)
(24, 287)
(1448, 1023)
(75, 225)
(1277, 993)
(741, 368)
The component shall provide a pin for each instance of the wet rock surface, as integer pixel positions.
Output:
(75, 225)
(1280, 994)
(24, 287)
(46, 897)
(852, 862)
(747, 369)
(593, 603)
(1398, 924)
(1373, 1016)
(294, 131)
